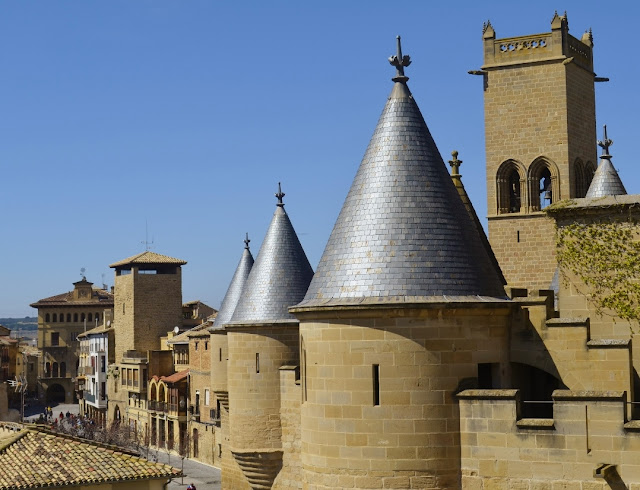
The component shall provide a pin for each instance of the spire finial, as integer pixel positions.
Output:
(400, 62)
(605, 144)
(246, 241)
(455, 163)
(280, 195)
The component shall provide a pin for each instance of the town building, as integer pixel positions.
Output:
(61, 319)
(96, 356)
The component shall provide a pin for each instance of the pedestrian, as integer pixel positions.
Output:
(191, 487)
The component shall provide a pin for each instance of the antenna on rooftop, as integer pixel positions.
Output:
(104, 284)
(147, 244)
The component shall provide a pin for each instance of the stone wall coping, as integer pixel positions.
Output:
(632, 425)
(567, 322)
(488, 394)
(569, 395)
(289, 367)
(531, 215)
(545, 424)
(608, 343)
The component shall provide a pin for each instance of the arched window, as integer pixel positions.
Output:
(152, 396)
(47, 369)
(47, 318)
(55, 318)
(54, 371)
(544, 184)
(161, 393)
(98, 317)
(75, 317)
(63, 369)
(90, 318)
(510, 188)
(68, 317)
(82, 317)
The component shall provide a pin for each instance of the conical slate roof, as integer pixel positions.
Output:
(234, 292)
(279, 278)
(606, 181)
(403, 230)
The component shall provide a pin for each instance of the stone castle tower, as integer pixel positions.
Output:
(148, 301)
(540, 134)
(262, 338)
(404, 306)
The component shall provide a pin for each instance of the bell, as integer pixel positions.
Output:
(547, 195)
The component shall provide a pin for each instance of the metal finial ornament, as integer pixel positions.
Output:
(605, 144)
(246, 241)
(400, 62)
(455, 163)
(280, 195)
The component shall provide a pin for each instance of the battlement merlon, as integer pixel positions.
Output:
(555, 46)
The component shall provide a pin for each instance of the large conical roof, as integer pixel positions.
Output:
(403, 230)
(278, 279)
(236, 286)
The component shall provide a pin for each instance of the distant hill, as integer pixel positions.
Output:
(23, 324)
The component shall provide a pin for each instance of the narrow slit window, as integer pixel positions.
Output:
(220, 354)
(376, 384)
(257, 362)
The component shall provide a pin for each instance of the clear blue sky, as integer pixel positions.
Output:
(186, 115)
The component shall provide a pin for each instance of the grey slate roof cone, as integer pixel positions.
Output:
(606, 181)
(280, 276)
(403, 233)
(236, 286)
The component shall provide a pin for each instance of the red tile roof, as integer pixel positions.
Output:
(34, 458)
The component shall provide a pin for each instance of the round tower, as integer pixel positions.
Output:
(219, 358)
(405, 308)
(262, 338)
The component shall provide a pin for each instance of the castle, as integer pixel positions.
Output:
(420, 354)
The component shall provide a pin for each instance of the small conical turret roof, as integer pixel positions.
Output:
(236, 286)
(280, 276)
(403, 230)
(606, 181)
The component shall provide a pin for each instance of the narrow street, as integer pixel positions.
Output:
(204, 477)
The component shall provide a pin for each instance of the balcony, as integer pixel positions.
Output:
(87, 370)
(89, 397)
(156, 406)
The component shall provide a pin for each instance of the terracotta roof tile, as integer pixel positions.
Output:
(99, 297)
(174, 378)
(148, 258)
(34, 458)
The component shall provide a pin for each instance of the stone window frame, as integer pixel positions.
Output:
(537, 167)
(503, 179)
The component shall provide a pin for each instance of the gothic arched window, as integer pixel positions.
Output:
(510, 188)
(544, 184)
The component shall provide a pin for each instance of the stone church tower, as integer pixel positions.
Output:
(540, 130)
